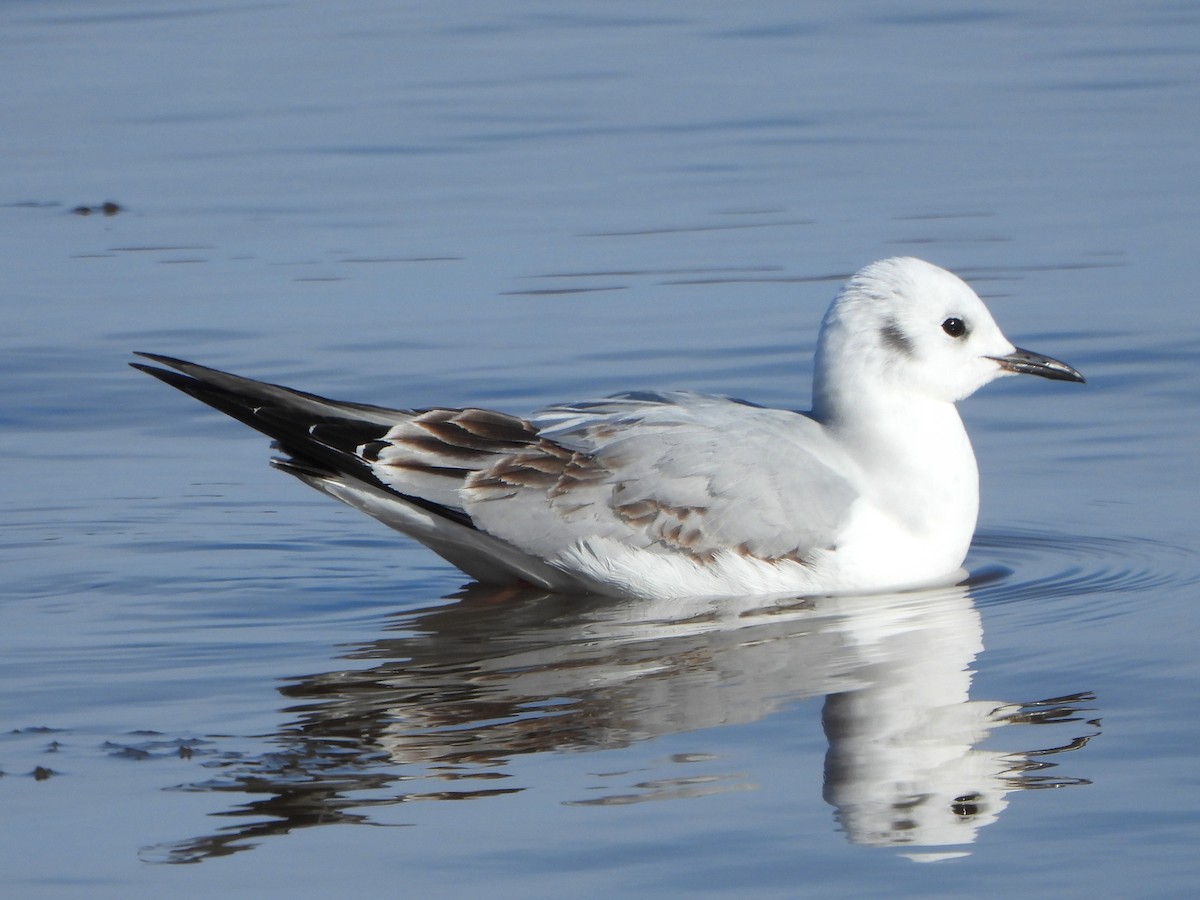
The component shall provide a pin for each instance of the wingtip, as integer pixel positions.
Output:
(169, 361)
(183, 370)
(155, 358)
(174, 379)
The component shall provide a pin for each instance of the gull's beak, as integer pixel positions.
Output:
(1026, 363)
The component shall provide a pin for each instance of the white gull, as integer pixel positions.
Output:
(680, 494)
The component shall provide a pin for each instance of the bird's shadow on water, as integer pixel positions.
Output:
(438, 708)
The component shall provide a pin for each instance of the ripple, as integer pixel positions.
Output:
(1053, 565)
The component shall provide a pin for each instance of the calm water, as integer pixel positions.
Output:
(215, 682)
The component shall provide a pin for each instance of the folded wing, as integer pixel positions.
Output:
(506, 498)
(675, 472)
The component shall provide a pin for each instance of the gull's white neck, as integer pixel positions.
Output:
(916, 466)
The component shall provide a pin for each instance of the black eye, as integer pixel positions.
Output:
(954, 327)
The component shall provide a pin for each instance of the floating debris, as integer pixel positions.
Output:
(107, 208)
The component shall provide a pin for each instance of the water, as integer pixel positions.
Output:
(215, 681)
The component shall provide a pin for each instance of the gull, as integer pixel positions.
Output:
(678, 494)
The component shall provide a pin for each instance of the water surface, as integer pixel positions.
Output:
(217, 681)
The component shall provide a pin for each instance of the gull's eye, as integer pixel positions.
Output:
(954, 327)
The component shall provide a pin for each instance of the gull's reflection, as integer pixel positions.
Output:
(441, 706)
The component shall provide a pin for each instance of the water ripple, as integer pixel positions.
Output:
(1052, 565)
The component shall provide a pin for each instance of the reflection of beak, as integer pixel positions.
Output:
(1026, 363)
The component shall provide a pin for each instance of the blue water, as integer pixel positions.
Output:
(217, 682)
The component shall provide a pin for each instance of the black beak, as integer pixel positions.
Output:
(1026, 363)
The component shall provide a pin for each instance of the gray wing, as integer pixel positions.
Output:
(497, 495)
(680, 472)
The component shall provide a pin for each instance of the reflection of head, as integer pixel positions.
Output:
(902, 767)
(922, 784)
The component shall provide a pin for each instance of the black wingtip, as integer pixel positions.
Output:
(192, 381)
(291, 418)
(180, 378)
(187, 367)
(160, 359)
(174, 379)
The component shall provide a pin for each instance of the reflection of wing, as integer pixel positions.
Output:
(679, 472)
(438, 709)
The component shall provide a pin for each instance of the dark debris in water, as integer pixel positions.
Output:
(37, 729)
(141, 745)
(157, 748)
(107, 208)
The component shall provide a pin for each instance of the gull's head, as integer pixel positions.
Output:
(903, 326)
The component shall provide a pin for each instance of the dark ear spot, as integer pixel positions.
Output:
(894, 337)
